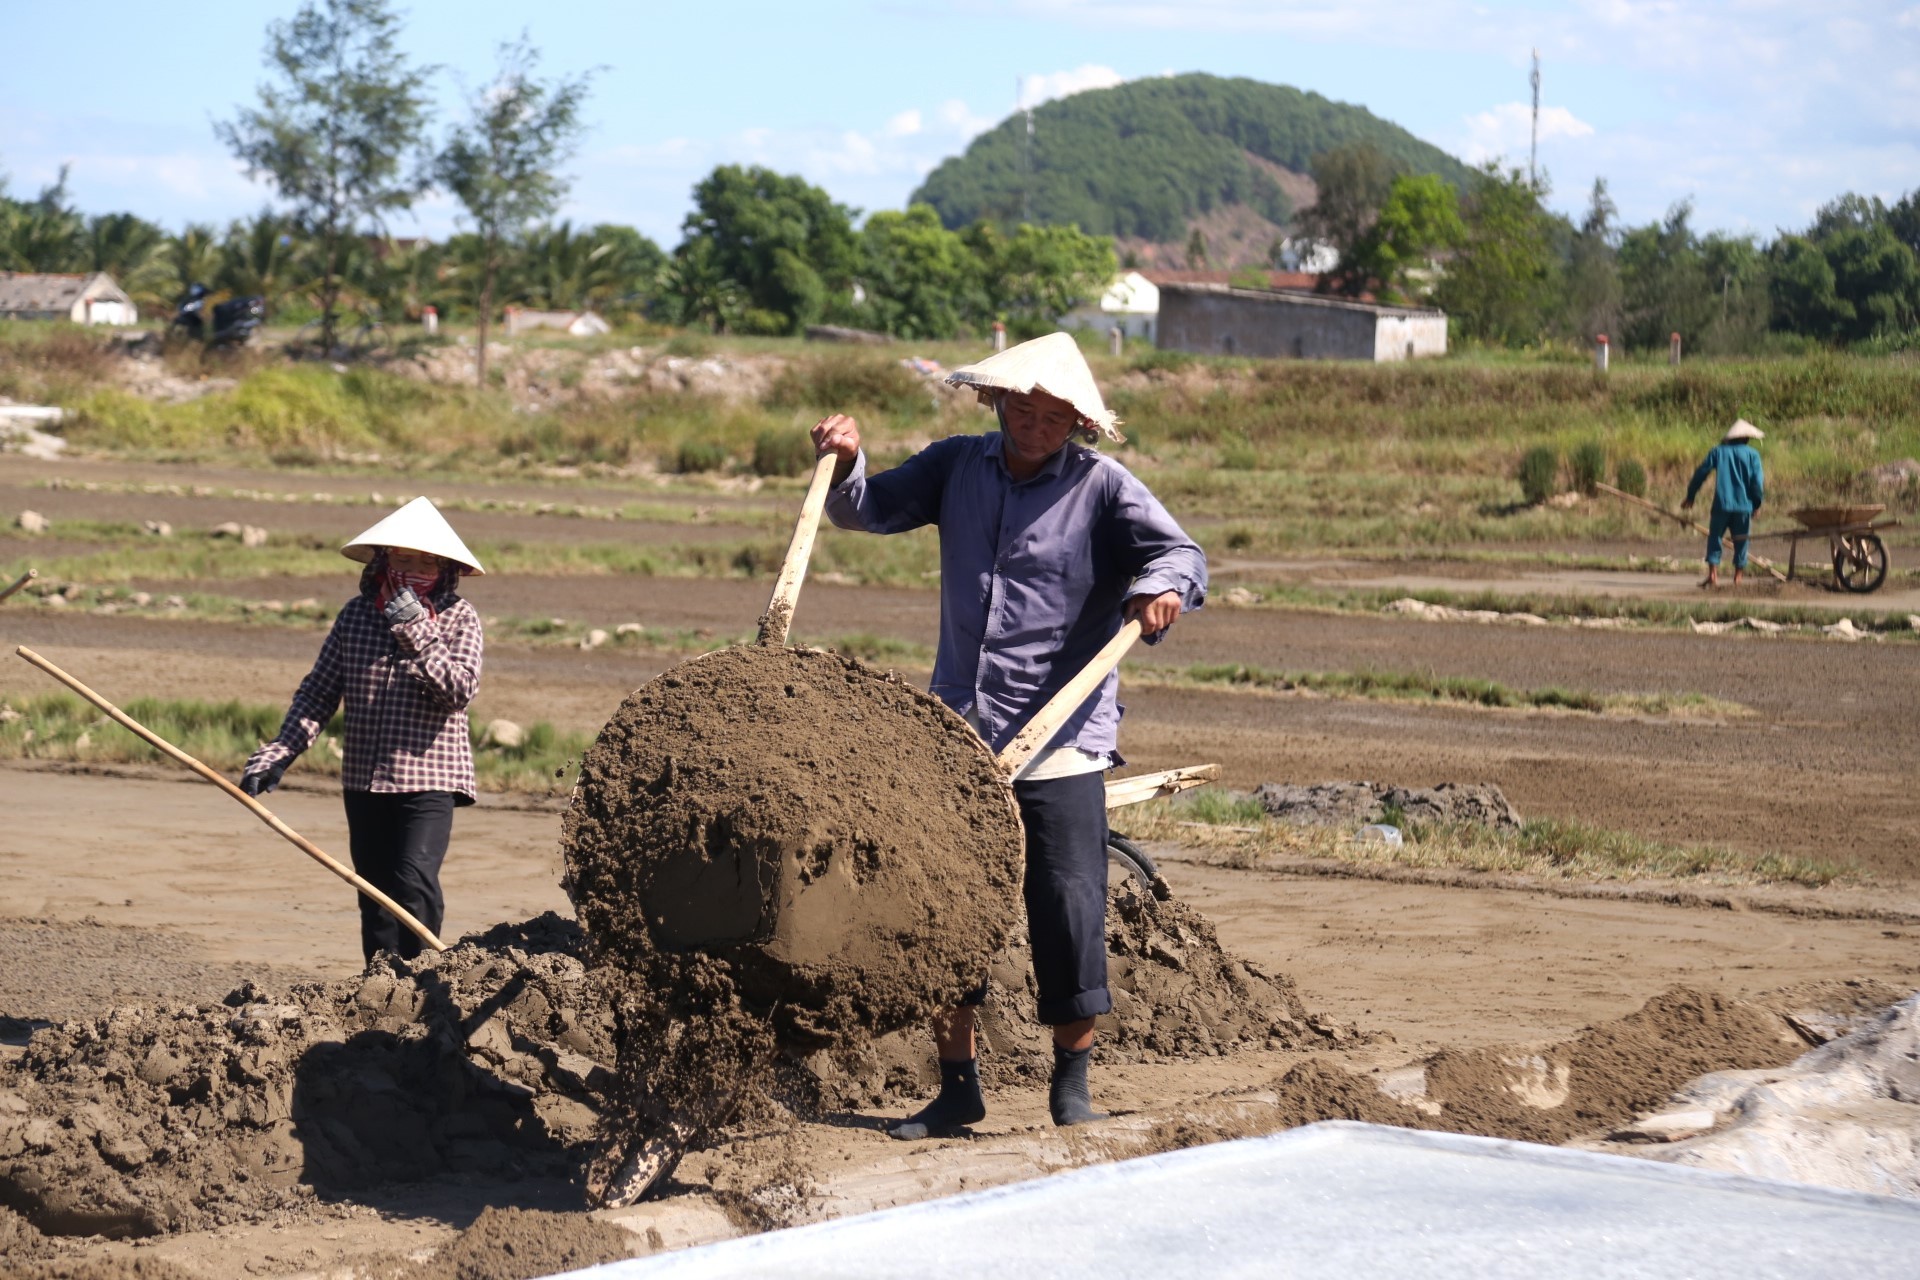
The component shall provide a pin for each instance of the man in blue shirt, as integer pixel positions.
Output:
(1046, 545)
(1738, 488)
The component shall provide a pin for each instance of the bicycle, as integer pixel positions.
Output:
(357, 341)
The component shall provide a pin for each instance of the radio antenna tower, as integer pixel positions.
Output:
(1533, 145)
(1026, 156)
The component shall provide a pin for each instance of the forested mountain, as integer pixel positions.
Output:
(1150, 160)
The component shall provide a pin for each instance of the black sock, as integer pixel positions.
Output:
(1067, 1096)
(958, 1105)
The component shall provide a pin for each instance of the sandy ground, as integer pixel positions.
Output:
(129, 890)
(124, 889)
(1822, 767)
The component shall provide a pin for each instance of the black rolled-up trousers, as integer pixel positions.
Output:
(398, 840)
(1066, 893)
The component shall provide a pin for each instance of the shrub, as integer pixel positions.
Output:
(1588, 465)
(840, 382)
(787, 452)
(1630, 477)
(1539, 473)
(699, 455)
(1237, 453)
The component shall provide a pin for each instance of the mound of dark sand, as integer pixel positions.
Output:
(484, 1059)
(117, 1268)
(1357, 803)
(521, 1244)
(1177, 993)
(1596, 1081)
(815, 827)
(499, 1057)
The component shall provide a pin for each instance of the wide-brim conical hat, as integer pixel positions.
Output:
(1052, 364)
(418, 526)
(1744, 430)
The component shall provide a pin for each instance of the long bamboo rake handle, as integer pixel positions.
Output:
(1027, 743)
(20, 582)
(775, 622)
(1692, 524)
(259, 810)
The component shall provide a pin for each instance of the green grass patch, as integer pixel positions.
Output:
(60, 726)
(1410, 686)
(1547, 848)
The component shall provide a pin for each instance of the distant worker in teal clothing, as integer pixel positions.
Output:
(1739, 485)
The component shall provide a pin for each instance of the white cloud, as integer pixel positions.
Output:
(959, 119)
(906, 124)
(1036, 89)
(1505, 130)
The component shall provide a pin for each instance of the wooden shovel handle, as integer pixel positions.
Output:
(778, 618)
(18, 583)
(259, 810)
(1039, 731)
(1690, 523)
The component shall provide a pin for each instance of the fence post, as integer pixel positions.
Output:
(1116, 340)
(1673, 350)
(1600, 354)
(430, 320)
(999, 336)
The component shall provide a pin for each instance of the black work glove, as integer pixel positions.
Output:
(404, 608)
(259, 781)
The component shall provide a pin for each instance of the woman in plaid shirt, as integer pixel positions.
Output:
(403, 658)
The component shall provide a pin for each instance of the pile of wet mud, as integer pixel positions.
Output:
(1358, 803)
(839, 844)
(485, 1059)
(775, 848)
(501, 1057)
(522, 1244)
(1586, 1085)
(1177, 994)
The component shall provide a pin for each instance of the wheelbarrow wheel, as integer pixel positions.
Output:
(1860, 562)
(1128, 858)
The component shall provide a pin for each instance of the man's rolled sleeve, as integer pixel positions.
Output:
(1160, 554)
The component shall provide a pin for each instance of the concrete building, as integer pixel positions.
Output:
(1222, 320)
(1130, 304)
(82, 297)
(577, 324)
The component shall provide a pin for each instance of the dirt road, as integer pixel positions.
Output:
(1823, 766)
(145, 890)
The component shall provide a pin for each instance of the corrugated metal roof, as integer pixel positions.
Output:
(55, 290)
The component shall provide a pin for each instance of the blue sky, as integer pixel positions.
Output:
(1759, 110)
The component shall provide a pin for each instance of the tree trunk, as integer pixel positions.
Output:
(486, 314)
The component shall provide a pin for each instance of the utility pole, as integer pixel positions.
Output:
(1533, 145)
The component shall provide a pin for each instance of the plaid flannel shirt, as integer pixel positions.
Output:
(406, 690)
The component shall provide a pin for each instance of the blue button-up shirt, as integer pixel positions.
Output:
(1033, 573)
(1739, 481)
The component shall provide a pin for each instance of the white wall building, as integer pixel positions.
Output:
(82, 297)
(1131, 304)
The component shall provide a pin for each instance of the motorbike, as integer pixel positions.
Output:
(233, 321)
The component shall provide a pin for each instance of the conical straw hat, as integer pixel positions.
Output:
(1744, 430)
(418, 526)
(1052, 364)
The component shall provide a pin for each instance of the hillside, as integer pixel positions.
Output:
(1150, 160)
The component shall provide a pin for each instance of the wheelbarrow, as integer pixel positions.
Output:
(1854, 547)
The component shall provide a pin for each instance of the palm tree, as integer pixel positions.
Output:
(192, 257)
(262, 257)
(130, 249)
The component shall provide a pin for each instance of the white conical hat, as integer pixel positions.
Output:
(1052, 364)
(1744, 430)
(418, 526)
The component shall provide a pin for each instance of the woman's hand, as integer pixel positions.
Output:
(1156, 613)
(838, 435)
